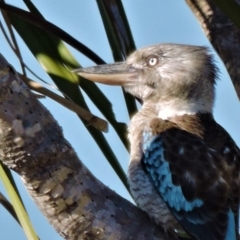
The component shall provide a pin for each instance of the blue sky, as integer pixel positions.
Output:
(151, 22)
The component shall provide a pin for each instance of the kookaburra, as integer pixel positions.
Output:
(184, 167)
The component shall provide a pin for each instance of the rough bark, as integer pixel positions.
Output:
(77, 204)
(222, 33)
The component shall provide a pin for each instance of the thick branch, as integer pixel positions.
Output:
(222, 33)
(74, 201)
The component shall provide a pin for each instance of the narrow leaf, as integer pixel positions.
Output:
(119, 37)
(51, 28)
(8, 206)
(20, 211)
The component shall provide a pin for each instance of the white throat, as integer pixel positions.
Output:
(173, 108)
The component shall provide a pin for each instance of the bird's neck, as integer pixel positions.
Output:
(177, 107)
(167, 110)
(174, 110)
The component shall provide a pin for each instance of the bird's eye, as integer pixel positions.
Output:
(152, 61)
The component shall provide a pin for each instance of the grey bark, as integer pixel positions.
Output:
(77, 204)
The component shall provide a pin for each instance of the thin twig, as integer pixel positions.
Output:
(93, 120)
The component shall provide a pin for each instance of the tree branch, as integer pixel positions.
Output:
(222, 33)
(77, 204)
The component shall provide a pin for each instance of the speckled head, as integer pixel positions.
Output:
(180, 77)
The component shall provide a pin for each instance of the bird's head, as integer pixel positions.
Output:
(180, 77)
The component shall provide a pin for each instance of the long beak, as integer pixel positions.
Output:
(112, 74)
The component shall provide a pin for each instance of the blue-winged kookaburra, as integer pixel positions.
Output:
(184, 167)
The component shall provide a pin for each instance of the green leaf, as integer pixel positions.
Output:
(8, 206)
(119, 37)
(50, 28)
(17, 204)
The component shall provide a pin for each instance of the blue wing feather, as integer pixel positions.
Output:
(231, 224)
(161, 175)
(193, 215)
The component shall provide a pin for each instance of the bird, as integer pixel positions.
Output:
(184, 167)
